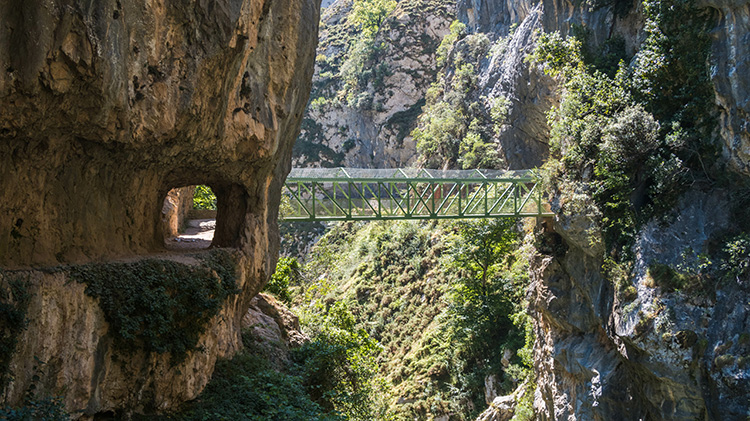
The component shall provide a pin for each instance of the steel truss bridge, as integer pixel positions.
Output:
(350, 194)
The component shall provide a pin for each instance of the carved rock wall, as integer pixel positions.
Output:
(175, 210)
(106, 107)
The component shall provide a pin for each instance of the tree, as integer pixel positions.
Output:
(485, 302)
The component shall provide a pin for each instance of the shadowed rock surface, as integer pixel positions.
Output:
(106, 107)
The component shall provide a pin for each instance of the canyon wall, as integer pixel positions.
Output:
(106, 107)
(651, 353)
(369, 127)
(655, 352)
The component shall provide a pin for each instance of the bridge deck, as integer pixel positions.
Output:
(345, 194)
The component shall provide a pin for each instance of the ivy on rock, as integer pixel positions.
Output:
(160, 305)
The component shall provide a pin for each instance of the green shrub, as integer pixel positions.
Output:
(499, 110)
(340, 365)
(736, 264)
(247, 388)
(457, 31)
(159, 305)
(287, 273)
(47, 409)
(397, 278)
(671, 280)
(485, 312)
(204, 198)
(670, 76)
(476, 153)
(633, 134)
(358, 69)
(444, 123)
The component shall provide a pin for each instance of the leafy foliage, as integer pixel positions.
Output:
(736, 265)
(329, 378)
(287, 273)
(457, 31)
(358, 68)
(455, 127)
(36, 405)
(368, 15)
(247, 387)
(670, 76)
(48, 409)
(632, 134)
(159, 305)
(500, 107)
(671, 280)
(339, 364)
(485, 304)
(204, 198)
(396, 279)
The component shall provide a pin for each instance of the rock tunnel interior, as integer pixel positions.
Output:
(230, 214)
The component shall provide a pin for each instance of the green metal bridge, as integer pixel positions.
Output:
(351, 194)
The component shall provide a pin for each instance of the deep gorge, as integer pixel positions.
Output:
(630, 303)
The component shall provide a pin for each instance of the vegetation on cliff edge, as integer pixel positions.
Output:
(444, 301)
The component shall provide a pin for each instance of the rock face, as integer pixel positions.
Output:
(67, 350)
(657, 354)
(503, 408)
(274, 328)
(731, 54)
(106, 107)
(511, 26)
(371, 130)
(109, 106)
(175, 210)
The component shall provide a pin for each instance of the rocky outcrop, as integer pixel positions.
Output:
(67, 349)
(652, 352)
(503, 408)
(106, 107)
(273, 328)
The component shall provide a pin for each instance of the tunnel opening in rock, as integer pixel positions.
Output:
(200, 216)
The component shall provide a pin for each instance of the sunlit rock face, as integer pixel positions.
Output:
(106, 106)
(109, 105)
(373, 129)
(657, 355)
(729, 72)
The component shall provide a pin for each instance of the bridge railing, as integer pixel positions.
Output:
(375, 194)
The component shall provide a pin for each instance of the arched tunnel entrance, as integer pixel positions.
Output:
(201, 216)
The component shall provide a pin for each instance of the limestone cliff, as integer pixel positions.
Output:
(369, 126)
(106, 107)
(653, 352)
(650, 353)
(656, 354)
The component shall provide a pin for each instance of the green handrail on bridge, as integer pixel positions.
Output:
(350, 194)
